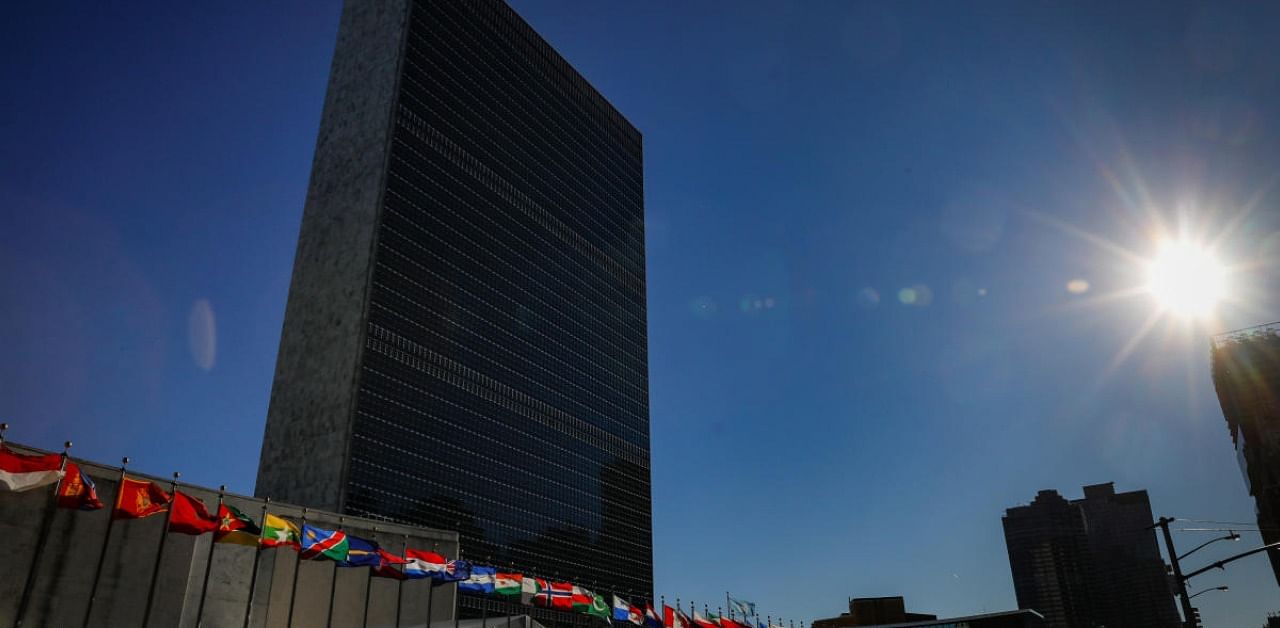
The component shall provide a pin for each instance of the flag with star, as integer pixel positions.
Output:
(280, 532)
(236, 527)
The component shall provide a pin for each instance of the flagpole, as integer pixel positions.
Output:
(404, 549)
(511, 567)
(333, 585)
(208, 562)
(297, 566)
(164, 535)
(728, 605)
(368, 583)
(431, 583)
(102, 556)
(484, 601)
(4, 427)
(45, 525)
(257, 555)
(457, 592)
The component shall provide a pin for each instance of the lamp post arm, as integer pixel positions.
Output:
(1222, 563)
(1230, 537)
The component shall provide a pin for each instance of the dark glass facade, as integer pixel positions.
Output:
(501, 385)
(504, 386)
(1246, 375)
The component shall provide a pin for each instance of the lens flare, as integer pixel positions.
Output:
(1186, 279)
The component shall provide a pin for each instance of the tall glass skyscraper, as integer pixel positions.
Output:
(1246, 375)
(465, 340)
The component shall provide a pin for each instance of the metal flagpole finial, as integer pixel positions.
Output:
(124, 462)
(66, 445)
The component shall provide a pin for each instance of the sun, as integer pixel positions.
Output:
(1186, 279)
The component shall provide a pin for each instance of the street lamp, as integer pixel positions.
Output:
(1221, 588)
(1230, 537)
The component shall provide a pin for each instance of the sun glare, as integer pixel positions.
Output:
(1186, 280)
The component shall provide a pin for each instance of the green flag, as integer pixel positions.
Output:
(599, 607)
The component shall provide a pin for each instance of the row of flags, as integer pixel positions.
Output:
(187, 514)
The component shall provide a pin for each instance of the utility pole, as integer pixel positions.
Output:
(1189, 614)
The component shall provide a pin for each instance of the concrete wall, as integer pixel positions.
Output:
(308, 432)
(65, 574)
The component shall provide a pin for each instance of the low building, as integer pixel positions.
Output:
(64, 574)
(890, 612)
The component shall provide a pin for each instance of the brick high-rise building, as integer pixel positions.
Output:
(1246, 374)
(1089, 562)
(465, 339)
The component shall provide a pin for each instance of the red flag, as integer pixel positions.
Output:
(189, 516)
(384, 568)
(562, 595)
(675, 618)
(23, 472)
(139, 498)
(77, 490)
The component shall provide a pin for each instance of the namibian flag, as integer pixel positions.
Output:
(319, 543)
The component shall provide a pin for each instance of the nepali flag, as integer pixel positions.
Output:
(77, 490)
(22, 472)
(319, 543)
(651, 619)
(422, 564)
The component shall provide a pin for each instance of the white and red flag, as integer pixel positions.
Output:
(23, 472)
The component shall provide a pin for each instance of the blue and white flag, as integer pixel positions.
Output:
(621, 609)
(481, 580)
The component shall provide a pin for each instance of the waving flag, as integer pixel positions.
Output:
(599, 607)
(581, 599)
(422, 564)
(624, 611)
(741, 607)
(507, 584)
(280, 532)
(190, 516)
(77, 490)
(535, 591)
(386, 566)
(480, 581)
(361, 553)
(236, 527)
(651, 619)
(22, 472)
(319, 543)
(703, 622)
(562, 595)
(139, 498)
(675, 618)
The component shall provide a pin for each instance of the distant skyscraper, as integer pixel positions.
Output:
(1089, 562)
(1246, 373)
(465, 340)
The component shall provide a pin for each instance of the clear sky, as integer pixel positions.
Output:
(815, 436)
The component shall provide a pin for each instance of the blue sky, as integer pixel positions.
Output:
(814, 437)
